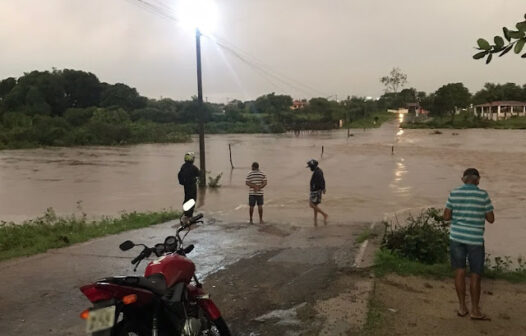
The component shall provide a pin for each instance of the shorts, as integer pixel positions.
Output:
(474, 253)
(255, 199)
(315, 197)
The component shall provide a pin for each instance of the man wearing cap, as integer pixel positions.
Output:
(317, 187)
(468, 207)
(187, 176)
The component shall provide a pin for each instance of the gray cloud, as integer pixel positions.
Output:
(335, 46)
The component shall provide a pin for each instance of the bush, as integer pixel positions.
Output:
(213, 182)
(424, 238)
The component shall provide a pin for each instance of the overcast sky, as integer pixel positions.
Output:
(320, 47)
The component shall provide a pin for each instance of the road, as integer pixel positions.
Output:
(269, 278)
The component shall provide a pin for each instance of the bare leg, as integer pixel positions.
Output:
(474, 289)
(460, 286)
(260, 211)
(325, 216)
(251, 213)
(314, 207)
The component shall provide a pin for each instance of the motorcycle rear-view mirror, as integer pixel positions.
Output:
(188, 204)
(126, 245)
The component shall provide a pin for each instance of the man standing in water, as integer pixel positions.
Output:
(317, 187)
(256, 180)
(468, 208)
(188, 178)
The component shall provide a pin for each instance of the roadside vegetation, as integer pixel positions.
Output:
(420, 247)
(466, 120)
(50, 231)
(73, 108)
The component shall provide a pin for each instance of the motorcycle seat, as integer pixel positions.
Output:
(155, 282)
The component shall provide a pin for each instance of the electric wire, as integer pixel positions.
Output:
(162, 10)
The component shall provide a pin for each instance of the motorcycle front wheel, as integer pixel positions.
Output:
(218, 327)
(126, 328)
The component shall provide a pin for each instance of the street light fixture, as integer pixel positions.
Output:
(200, 15)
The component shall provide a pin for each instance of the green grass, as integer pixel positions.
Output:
(387, 262)
(375, 317)
(51, 231)
(461, 122)
(364, 235)
(369, 121)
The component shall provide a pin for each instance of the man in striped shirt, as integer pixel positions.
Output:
(256, 180)
(468, 208)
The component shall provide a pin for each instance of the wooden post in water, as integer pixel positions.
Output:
(322, 149)
(230, 151)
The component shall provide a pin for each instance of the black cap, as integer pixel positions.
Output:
(312, 163)
(471, 171)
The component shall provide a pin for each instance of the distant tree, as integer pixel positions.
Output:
(274, 105)
(121, 95)
(493, 92)
(428, 102)
(82, 89)
(6, 86)
(515, 39)
(449, 98)
(394, 80)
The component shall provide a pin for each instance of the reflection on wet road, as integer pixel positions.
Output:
(369, 174)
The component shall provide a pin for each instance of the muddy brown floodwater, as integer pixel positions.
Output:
(365, 180)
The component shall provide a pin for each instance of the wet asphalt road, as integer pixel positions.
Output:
(40, 294)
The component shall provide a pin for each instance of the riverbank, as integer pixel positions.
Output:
(466, 121)
(412, 298)
(411, 305)
(374, 120)
(50, 231)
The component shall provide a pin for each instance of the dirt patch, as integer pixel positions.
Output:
(416, 306)
(284, 292)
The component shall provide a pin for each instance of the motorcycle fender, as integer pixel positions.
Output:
(204, 301)
(210, 308)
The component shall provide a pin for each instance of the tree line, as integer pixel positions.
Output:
(71, 107)
(449, 98)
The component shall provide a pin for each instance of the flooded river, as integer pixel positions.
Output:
(365, 179)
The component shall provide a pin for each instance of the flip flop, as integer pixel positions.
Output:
(482, 317)
(459, 314)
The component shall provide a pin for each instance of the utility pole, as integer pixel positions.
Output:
(202, 165)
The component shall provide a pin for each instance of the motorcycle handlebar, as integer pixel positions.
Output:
(140, 257)
(196, 218)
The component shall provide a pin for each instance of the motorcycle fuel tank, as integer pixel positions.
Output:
(173, 267)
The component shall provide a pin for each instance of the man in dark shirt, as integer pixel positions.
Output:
(317, 187)
(188, 178)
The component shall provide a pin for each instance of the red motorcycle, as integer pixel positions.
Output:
(162, 302)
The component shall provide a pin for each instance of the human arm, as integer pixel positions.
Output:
(447, 214)
(490, 216)
(252, 185)
(264, 182)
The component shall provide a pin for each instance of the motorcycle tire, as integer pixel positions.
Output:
(221, 329)
(126, 328)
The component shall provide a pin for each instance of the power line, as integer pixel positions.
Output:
(161, 9)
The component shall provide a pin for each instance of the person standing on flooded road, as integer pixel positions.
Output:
(468, 207)
(187, 176)
(317, 187)
(256, 180)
